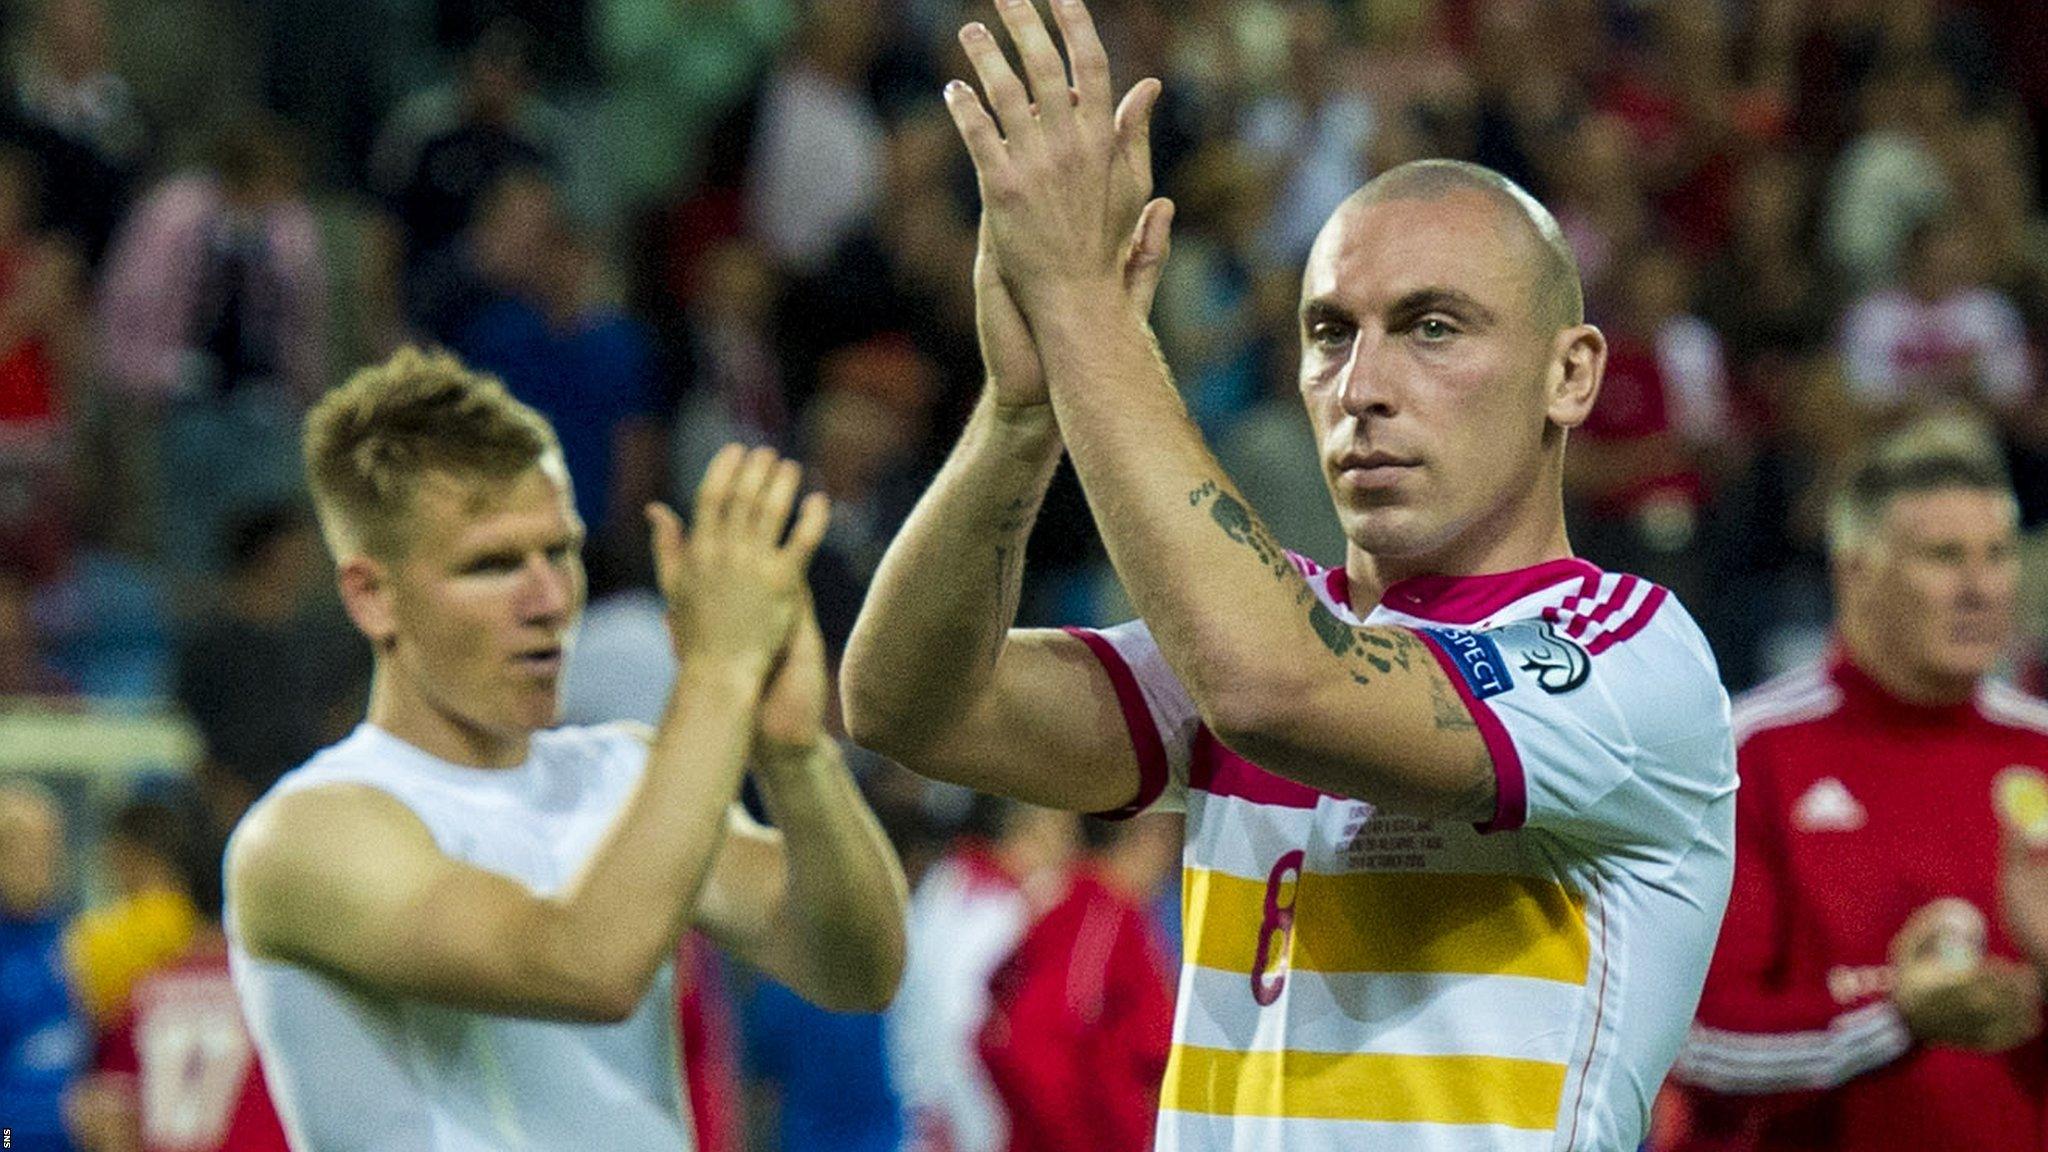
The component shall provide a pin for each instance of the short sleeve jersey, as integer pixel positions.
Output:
(1353, 978)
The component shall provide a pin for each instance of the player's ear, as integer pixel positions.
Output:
(1578, 361)
(365, 586)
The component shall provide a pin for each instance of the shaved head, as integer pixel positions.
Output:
(1557, 300)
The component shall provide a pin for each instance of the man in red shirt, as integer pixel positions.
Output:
(1080, 1016)
(175, 1071)
(1865, 994)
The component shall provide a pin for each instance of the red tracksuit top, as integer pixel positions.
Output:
(1855, 809)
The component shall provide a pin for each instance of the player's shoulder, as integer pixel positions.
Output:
(301, 839)
(2008, 707)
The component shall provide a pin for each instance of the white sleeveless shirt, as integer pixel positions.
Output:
(353, 1070)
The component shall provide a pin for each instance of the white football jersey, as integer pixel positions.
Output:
(1354, 978)
(351, 1070)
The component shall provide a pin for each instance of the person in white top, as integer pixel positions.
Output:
(1460, 810)
(453, 930)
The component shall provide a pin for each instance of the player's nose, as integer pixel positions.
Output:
(1366, 385)
(548, 593)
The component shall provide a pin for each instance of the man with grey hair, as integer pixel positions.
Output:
(1460, 808)
(1865, 994)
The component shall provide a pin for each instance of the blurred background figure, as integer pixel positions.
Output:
(1865, 994)
(160, 859)
(270, 673)
(446, 147)
(174, 1069)
(1080, 1015)
(967, 917)
(213, 322)
(44, 1040)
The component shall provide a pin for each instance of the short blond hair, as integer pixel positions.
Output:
(1949, 449)
(369, 443)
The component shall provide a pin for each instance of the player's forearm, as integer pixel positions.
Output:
(623, 916)
(1274, 673)
(1225, 604)
(847, 895)
(945, 595)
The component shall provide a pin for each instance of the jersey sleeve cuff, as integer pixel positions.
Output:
(1145, 741)
(1511, 788)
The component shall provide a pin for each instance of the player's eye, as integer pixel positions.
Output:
(1329, 334)
(1434, 329)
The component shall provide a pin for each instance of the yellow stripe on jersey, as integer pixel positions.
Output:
(1394, 922)
(1364, 1086)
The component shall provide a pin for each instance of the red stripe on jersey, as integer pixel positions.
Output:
(1633, 624)
(1218, 771)
(1137, 718)
(1511, 789)
(1623, 589)
(1465, 600)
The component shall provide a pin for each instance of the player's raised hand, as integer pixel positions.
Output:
(733, 584)
(1008, 353)
(1063, 175)
(791, 718)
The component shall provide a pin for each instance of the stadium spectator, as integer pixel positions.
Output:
(1940, 336)
(1341, 767)
(815, 172)
(735, 388)
(212, 326)
(861, 433)
(967, 917)
(504, 251)
(42, 362)
(79, 114)
(446, 147)
(457, 865)
(176, 1071)
(674, 74)
(271, 672)
(1865, 994)
(1080, 1016)
(156, 854)
(44, 1040)
(562, 345)
(1890, 177)
(1642, 465)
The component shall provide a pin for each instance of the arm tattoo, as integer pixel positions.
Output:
(1010, 525)
(1449, 711)
(1366, 652)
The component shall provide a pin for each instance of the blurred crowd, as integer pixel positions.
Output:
(671, 223)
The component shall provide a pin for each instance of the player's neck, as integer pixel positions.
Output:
(404, 712)
(1478, 553)
(1899, 678)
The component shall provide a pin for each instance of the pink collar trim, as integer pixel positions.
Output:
(1469, 599)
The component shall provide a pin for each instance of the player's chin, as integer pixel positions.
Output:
(1388, 529)
(538, 706)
